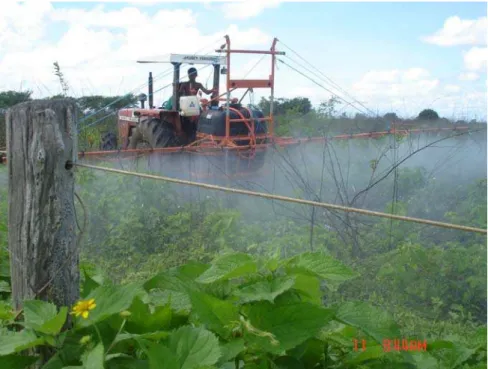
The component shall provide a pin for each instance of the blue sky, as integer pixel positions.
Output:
(345, 41)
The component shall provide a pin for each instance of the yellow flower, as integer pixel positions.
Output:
(83, 308)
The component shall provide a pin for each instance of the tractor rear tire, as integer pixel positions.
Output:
(155, 132)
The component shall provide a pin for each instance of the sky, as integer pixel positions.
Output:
(377, 57)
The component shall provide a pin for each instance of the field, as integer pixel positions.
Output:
(190, 278)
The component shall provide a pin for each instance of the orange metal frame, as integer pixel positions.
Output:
(242, 83)
(205, 140)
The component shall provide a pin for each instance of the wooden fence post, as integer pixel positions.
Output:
(41, 144)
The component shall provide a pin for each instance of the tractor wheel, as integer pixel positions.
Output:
(152, 133)
(109, 141)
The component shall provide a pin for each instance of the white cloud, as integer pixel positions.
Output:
(457, 31)
(415, 74)
(398, 83)
(22, 26)
(407, 92)
(97, 53)
(400, 92)
(140, 3)
(452, 88)
(247, 8)
(475, 59)
(468, 76)
(375, 76)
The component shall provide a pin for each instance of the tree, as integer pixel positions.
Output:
(428, 114)
(281, 106)
(11, 98)
(328, 108)
(360, 116)
(391, 117)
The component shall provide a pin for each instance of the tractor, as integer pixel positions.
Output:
(193, 122)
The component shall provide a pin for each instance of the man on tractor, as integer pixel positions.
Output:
(192, 87)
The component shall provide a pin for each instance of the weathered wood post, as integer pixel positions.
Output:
(41, 144)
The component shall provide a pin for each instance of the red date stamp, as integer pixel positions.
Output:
(393, 344)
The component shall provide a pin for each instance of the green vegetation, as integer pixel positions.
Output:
(239, 311)
(184, 279)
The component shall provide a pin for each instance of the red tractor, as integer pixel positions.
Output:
(194, 122)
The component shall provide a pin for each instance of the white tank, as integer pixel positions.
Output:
(189, 106)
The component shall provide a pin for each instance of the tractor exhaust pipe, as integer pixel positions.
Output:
(176, 86)
(150, 92)
(216, 83)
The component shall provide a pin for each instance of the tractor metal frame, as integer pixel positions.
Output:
(249, 85)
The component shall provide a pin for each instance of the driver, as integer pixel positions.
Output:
(191, 87)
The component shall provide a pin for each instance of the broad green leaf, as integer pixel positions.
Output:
(142, 320)
(6, 311)
(424, 360)
(265, 290)
(192, 269)
(308, 352)
(213, 313)
(37, 312)
(439, 345)
(260, 363)
(89, 284)
(195, 347)
(371, 353)
(272, 264)
(338, 338)
(110, 300)
(231, 349)
(54, 362)
(95, 358)
(168, 281)
(4, 286)
(456, 355)
(4, 268)
(43, 317)
(161, 357)
(152, 336)
(50, 341)
(227, 267)
(288, 362)
(291, 324)
(309, 287)
(54, 325)
(321, 265)
(221, 290)
(127, 363)
(16, 361)
(16, 342)
(179, 301)
(371, 320)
